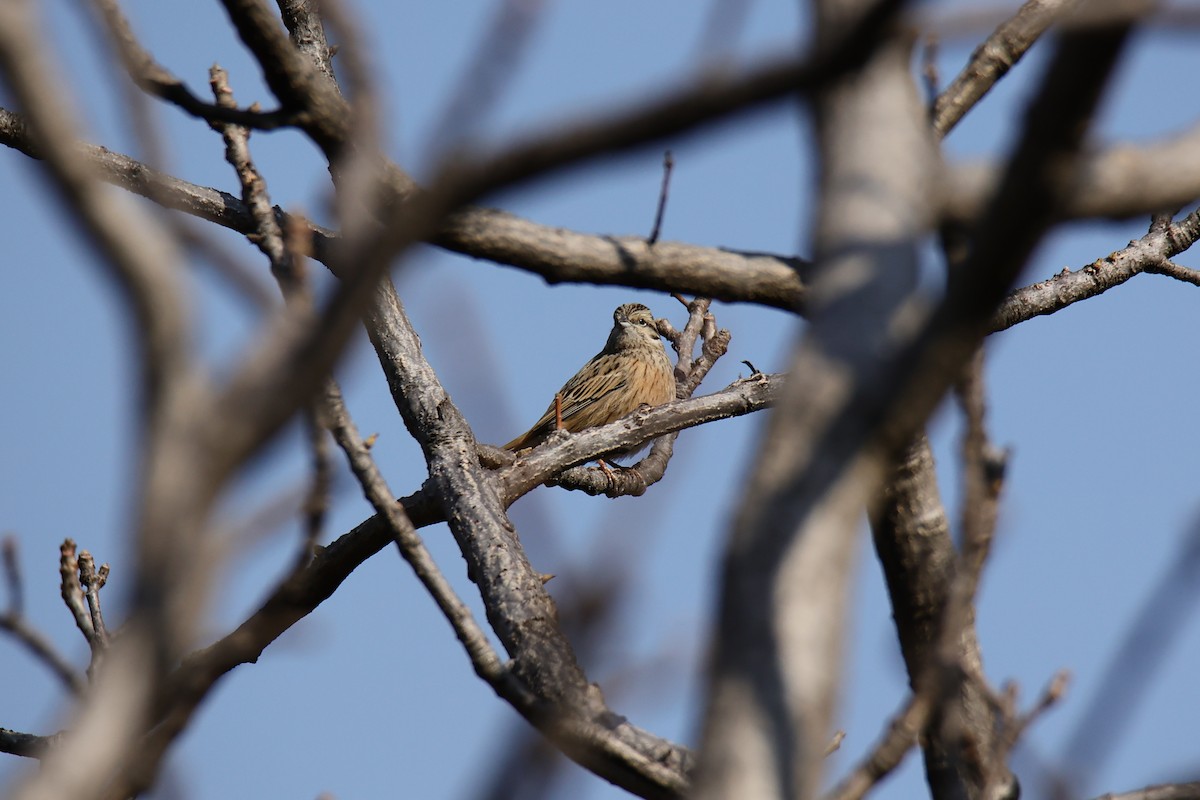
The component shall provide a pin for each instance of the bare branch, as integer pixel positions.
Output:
(25, 744)
(92, 580)
(139, 256)
(316, 499)
(296, 80)
(1130, 672)
(1051, 695)
(40, 646)
(788, 562)
(522, 614)
(563, 256)
(72, 592)
(992, 60)
(308, 33)
(668, 165)
(13, 620)
(556, 254)
(1151, 253)
(154, 79)
(901, 736)
(932, 596)
(288, 268)
(983, 470)
(1019, 214)
(1166, 791)
(268, 233)
(484, 659)
(842, 398)
(1120, 182)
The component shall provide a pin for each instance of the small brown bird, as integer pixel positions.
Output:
(631, 371)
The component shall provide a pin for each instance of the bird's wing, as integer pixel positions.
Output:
(598, 379)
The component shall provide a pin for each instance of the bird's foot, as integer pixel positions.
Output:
(612, 479)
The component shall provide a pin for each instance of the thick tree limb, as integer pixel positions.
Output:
(787, 568)
(916, 555)
(1120, 182)
(891, 392)
(564, 256)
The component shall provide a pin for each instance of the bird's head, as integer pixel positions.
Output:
(633, 322)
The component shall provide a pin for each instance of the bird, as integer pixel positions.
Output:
(631, 371)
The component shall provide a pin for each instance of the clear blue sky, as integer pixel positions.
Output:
(372, 690)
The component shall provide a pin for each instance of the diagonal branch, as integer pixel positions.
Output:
(294, 79)
(992, 60)
(1151, 253)
(137, 253)
(1165, 791)
(854, 404)
(154, 79)
(788, 561)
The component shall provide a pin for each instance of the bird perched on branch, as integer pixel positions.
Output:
(631, 371)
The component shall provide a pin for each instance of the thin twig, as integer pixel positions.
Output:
(12, 576)
(929, 68)
(72, 591)
(1130, 671)
(835, 743)
(1165, 791)
(13, 620)
(901, 736)
(983, 471)
(1054, 691)
(1179, 272)
(316, 499)
(268, 234)
(495, 57)
(42, 648)
(138, 254)
(664, 190)
(154, 79)
(487, 663)
(91, 581)
(287, 266)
